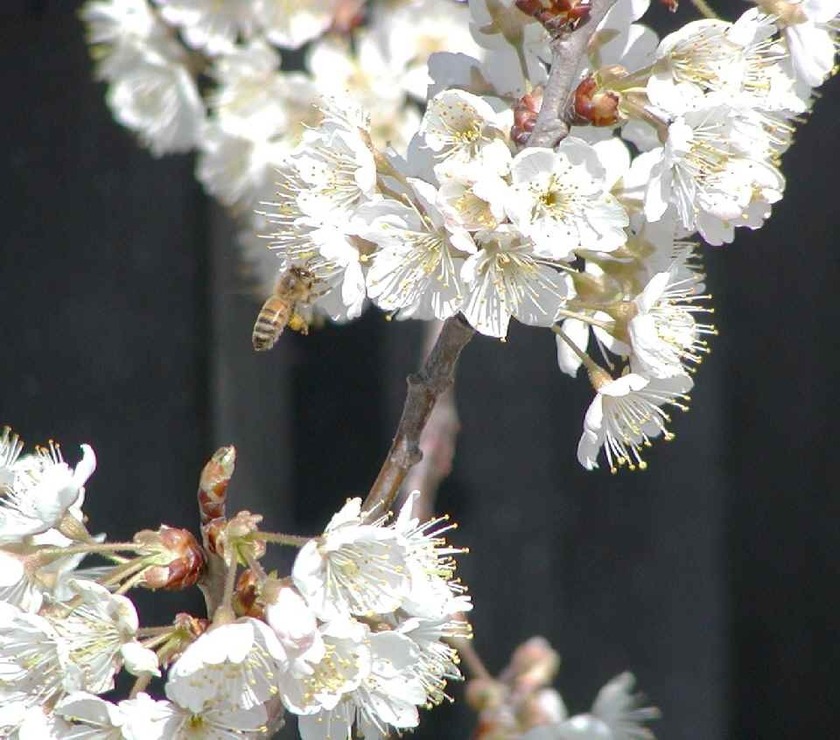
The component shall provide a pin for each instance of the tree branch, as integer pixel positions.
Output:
(567, 50)
(424, 388)
(437, 443)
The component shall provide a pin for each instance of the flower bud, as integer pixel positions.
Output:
(558, 16)
(348, 15)
(232, 537)
(595, 105)
(525, 113)
(484, 693)
(545, 707)
(178, 560)
(291, 619)
(247, 599)
(213, 483)
(534, 663)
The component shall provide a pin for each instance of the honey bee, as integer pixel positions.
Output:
(293, 287)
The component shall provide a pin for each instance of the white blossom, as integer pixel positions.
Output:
(416, 268)
(33, 665)
(619, 709)
(99, 630)
(89, 717)
(364, 73)
(337, 167)
(664, 333)
(516, 45)
(625, 415)
(291, 23)
(254, 100)
(715, 181)
(806, 27)
(210, 25)
(326, 247)
(367, 74)
(38, 723)
(19, 584)
(38, 490)
(353, 568)
(387, 696)
(339, 269)
(620, 40)
(237, 170)
(615, 715)
(473, 196)
(158, 99)
(346, 662)
(10, 448)
(296, 627)
(414, 30)
(577, 331)
(434, 591)
(436, 659)
(504, 279)
(448, 70)
(121, 32)
(237, 663)
(462, 128)
(741, 61)
(560, 200)
(148, 719)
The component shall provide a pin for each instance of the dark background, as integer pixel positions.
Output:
(713, 575)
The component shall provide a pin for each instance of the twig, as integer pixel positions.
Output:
(567, 50)
(437, 443)
(424, 389)
(706, 10)
(475, 666)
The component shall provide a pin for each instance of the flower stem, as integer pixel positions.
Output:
(90, 548)
(278, 538)
(471, 659)
(704, 9)
(590, 365)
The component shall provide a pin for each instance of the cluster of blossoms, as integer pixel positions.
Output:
(224, 77)
(591, 237)
(457, 211)
(521, 704)
(355, 637)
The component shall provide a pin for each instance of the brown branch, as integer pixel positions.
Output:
(437, 443)
(424, 389)
(567, 50)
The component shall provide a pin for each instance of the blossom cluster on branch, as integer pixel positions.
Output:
(357, 635)
(520, 703)
(590, 237)
(457, 211)
(237, 81)
(548, 161)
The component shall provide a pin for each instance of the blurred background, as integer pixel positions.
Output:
(713, 575)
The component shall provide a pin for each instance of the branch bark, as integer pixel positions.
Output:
(437, 443)
(567, 50)
(424, 388)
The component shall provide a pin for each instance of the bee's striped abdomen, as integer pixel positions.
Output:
(271, 320)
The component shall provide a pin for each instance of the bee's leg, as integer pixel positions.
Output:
(299, 324)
